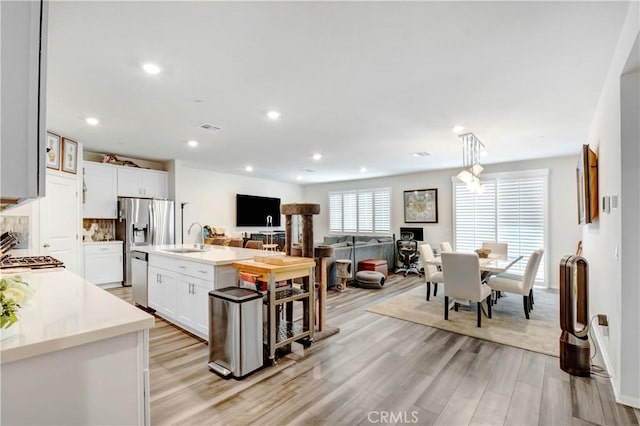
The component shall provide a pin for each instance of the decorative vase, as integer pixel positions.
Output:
(5, 333)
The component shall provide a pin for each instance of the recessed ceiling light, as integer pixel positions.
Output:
(92, 121)
(152, 69)
(274, 115)
(457, 129)
(363, 169)
(317, 156)
(298, 177)
(421, 154)
(192, 143)
(249, 168)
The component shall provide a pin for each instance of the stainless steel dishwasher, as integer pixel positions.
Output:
(139, 275)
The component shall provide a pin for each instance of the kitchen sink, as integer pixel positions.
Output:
(184, 250)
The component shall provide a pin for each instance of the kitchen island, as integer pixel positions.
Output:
(80, 356)
(180, 277)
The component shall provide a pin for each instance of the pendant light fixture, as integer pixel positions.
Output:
(470, 175)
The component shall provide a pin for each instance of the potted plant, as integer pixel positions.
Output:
(14, 293)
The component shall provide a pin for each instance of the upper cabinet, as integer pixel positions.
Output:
(101, 195)
(23, 31)
(134, 182)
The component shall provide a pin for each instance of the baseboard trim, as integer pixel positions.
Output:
(620, 399)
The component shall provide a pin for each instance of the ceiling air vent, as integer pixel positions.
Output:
(211, 127)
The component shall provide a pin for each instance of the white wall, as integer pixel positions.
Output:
(611, 292)
(564, 232)
(212, 197)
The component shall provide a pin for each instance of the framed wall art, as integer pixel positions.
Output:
(587, 185)
(53, 151)
(69, 156)
(421, 206)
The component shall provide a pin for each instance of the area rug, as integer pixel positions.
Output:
(508, 325)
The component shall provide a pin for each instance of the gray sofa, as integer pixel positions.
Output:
(357, 248)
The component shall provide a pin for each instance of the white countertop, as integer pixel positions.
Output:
(102, 242)
(67, 311)
(214, 255)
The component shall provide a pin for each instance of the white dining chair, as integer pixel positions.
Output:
(498, 250)
(431, 273)
(524, 287)
(445, 246)
(461, 273)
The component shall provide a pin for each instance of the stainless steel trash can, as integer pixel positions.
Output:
(235, 331)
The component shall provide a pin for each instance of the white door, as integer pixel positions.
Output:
(59, 221)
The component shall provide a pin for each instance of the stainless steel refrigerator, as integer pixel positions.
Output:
(143, 222)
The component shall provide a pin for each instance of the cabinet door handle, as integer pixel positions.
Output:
(160, 279)
(46, 245)
(104, 248)
(182, 267)
(203, 272)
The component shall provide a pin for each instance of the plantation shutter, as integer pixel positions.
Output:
(350, 212)
(510, 210)
(475, 216)
(335, 212)
(364, 211)
(521, 219)
(382, 211)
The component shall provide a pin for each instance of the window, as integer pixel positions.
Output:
(511, 210)
(361, 211)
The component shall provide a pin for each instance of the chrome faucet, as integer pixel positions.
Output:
(201, 237)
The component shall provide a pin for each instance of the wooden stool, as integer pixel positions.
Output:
(343, 271)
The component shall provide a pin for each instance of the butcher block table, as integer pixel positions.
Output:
(273, 270)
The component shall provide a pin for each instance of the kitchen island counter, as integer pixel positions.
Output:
(179, 280)
(213, 255)
(66, 311)
(80, 356)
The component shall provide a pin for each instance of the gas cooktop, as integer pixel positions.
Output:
(33, 262)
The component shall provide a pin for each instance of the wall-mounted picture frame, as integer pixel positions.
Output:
(69, 156)
(421, 206)
(587, 186)
(53, 151)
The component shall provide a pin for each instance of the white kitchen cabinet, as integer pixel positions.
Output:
(103, 262)
(101, 197)
(155, 183)
(135, 182)
(193, 306)
(23, 74)
(192, 282)
(162, 287)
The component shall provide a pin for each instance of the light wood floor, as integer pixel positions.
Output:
(377, 370)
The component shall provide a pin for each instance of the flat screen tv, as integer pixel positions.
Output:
(252, 210)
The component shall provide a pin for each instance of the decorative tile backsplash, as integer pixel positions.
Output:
(104, 230)
(18, 225)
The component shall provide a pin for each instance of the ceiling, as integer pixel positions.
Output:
(366, 84)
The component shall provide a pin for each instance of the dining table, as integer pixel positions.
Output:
(488, 266)
(491, 265)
